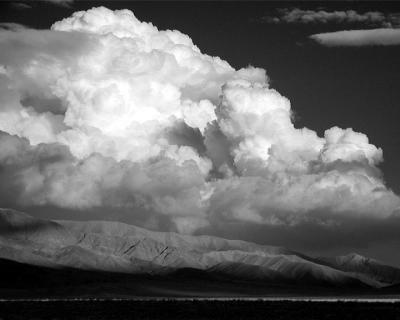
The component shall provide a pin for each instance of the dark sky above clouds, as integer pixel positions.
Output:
(209, 171)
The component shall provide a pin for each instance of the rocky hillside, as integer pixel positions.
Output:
(122, 248)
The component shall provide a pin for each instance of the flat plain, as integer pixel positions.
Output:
(198, 309)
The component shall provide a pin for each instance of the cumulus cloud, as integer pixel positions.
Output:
(300, 16)
(104, 110)
(357, 38)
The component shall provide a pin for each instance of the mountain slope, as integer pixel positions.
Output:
(120, 248)
(355, 263)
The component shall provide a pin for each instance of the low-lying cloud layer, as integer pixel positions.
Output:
(106, 111)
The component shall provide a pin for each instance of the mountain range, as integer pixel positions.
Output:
(107, 256)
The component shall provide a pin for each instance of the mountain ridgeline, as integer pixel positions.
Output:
(112, 248)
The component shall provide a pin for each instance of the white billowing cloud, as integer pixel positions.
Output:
(138, 83)
(49, 174)
(18, 120)
(257, 119)
(357, 38)
(198, 115)
(347, 145)
(300, 16)
(106, 111)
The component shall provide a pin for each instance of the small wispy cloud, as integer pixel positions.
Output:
(11, 26)
(21, 5)
(27, 4)
(384, 27)
(65, 3)
(299, 16)
(357, 38)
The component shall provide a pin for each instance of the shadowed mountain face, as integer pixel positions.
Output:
(368, 267)
(118, 248)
